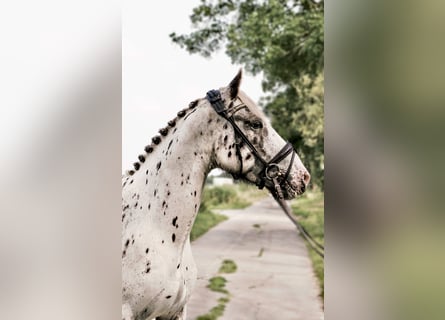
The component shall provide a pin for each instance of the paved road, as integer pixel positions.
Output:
(274, 279)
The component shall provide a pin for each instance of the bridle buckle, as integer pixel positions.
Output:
(272, 171)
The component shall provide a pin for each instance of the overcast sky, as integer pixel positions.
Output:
(159, 78)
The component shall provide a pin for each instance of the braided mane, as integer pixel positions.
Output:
(158, 138)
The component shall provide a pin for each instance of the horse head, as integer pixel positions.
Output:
(248, 147)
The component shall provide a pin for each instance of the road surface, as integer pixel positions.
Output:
(274, 279)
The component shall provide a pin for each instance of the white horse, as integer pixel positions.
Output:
(161, 197)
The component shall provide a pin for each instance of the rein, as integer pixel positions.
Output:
(271, 171)
(316, 246)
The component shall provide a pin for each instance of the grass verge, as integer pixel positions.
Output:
(205, 220)
(310, 212)
(235, 196)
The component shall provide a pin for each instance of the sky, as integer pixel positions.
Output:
(158, 77)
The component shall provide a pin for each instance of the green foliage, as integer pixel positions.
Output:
(218, 284)
(217, 196)
(228, 266)
(204, 221)
(224, 197)
(237, 196)
(214, 313)
(298, 115)
(283, 40)
(310, 212)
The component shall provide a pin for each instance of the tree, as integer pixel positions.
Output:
(283, 40)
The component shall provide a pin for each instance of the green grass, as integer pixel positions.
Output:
(260, 254)
(218, 284)
(228, 266)
(310, 212)
(214, 313)
(205, 220)
(236, 196)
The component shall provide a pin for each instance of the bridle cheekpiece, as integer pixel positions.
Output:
(271, 171)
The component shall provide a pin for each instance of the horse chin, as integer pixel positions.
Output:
(289, 193)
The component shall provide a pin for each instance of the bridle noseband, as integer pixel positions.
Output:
(271, 171)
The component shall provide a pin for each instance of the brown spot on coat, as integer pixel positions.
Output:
(170, 144)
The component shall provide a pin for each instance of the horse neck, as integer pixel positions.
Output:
(168, 184)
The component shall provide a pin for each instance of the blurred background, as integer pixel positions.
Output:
(62, 155)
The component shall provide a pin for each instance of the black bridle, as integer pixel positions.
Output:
(270, 172)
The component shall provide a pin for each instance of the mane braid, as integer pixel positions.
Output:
(158, 138)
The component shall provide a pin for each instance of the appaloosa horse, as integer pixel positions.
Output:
(161, 196)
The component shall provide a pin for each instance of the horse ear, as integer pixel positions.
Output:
(234, 84)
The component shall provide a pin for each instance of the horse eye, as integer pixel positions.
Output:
(256, 125)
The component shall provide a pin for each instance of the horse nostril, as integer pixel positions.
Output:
(306, 178)
(303, 187)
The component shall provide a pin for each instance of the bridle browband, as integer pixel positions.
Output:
(270, 172)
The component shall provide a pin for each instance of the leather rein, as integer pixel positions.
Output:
(270, 172)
